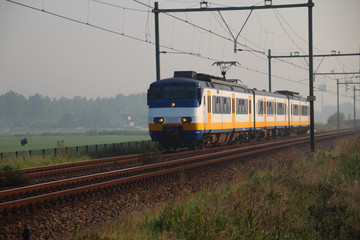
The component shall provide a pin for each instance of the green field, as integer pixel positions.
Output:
(10, 143)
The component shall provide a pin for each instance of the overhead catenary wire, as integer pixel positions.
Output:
(117, 6)
(149, 41)
(293, 41)
(118, 33)
(253, 51)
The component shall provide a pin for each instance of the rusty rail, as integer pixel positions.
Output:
(95, 182)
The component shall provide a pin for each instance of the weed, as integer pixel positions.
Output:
(61, 148)
(150, 154)
(317, 198)
(11, 177)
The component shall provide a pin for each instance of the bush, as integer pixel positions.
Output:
(13, 178)
(150, 154)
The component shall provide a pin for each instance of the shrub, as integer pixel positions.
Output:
(150, 153)
(13, 178)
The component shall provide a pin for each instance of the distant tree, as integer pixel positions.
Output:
(14, 105)
(332, 120)
(39, 111)
(36, 108)
(67, 120)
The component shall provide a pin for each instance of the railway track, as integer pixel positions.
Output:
(39, 194)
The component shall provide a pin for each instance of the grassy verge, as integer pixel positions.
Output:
(19, 163)
(11, 143)
(317, 198)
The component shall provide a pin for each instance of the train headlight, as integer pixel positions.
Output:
(186, 119)
(172, 104)
(158, 120)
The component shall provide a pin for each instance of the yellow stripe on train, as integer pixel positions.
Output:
(226, 125)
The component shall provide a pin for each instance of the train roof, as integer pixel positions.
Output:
(206, 80)
(203, 80)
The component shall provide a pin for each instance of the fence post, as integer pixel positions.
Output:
(43, 151)
(30, 153)
(55, 152)
(16, 154)
(1, 155)
(26, 233)
(87, 149)
(96, 147)
(105, 146)
(77, 149)
(66, 150)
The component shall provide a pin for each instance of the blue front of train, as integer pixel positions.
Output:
(175, 115)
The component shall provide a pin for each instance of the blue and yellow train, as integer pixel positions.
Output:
(193, 109)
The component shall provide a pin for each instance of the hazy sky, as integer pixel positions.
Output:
(53, 56)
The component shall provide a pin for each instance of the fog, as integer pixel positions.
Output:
(55, 53)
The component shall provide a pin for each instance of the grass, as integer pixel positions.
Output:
(10, 143)
(23, 162)
(316, 198)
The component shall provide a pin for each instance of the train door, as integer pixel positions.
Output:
(233, 110)
(250, 107)
(265, 113)
(299, 113)
(208, 113)
(291, 114)
(275, 114)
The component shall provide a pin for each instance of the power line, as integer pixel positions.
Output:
(117, 6)
(173, 50)
(118, 33)
(287, 32)
(292, 29)
(255, 52)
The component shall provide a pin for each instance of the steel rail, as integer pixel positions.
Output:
(206, 160)
(49, 168)
(118, 173)
(42, 171)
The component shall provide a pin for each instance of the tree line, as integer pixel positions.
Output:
(38, 111)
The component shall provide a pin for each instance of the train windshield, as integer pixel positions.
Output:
(174, 92)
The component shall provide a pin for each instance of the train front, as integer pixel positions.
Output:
(175, 112)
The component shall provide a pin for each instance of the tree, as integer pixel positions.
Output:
(67, 120)
(14, 107)
(332, 120)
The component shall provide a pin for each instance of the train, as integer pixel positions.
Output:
(197, 110)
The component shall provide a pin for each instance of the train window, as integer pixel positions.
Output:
(227, 105)
(270, 108)
(280, 108)
(260, 107)
(155, 92)
(174, 92)
(295, 110)
(220, 104)
(221, 110)
(264, 108)
(242, 106)
(304, 110)
(216, 104)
